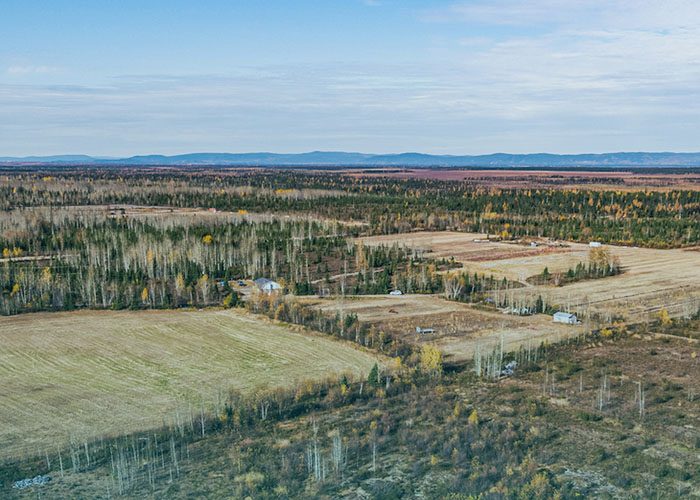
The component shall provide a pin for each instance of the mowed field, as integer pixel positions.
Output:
(652, 278)
(77, 375)
(460, 329)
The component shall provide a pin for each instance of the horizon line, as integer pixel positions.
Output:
(330, 151)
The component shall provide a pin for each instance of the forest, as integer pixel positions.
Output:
(64, 259)
(653, 218)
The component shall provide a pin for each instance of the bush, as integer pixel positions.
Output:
(590, 417)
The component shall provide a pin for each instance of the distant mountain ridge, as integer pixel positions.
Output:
(340, 158)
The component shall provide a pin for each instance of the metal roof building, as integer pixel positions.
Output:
(564, 317)
(267, 285)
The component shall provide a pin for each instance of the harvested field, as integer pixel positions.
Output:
(652, 278)
(460, 329)
(83, 374)
(476, 251)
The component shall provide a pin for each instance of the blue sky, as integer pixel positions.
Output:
(463, 77)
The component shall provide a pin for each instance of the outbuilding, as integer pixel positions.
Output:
(267, 285)
(565, 317)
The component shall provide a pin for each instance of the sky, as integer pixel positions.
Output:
(120, 78)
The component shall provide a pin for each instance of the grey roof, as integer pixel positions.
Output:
(267, 284)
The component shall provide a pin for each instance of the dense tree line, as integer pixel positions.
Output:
(344, 326)
(60, 259)
(646, 218)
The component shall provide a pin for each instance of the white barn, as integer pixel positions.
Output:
(564, 317)
(267, 285)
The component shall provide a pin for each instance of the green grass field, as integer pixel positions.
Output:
(77, 375)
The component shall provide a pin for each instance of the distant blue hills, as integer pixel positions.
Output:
(344, 159)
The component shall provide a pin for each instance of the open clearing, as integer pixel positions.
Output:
(652, 278)
(460, 329)
(83, 374)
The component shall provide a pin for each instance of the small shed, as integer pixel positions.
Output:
(267, 285)
(564, 317)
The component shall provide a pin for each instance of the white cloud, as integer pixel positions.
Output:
(617, 56)
(30, 70)
(493, 102)
(623, 14)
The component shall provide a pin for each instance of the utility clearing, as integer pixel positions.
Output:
(84, 374)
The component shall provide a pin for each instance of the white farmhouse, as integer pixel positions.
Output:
(564, 317)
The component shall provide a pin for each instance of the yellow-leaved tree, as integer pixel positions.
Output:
(431, 360)
(179, 285)
(664, 317)
(46, 275)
